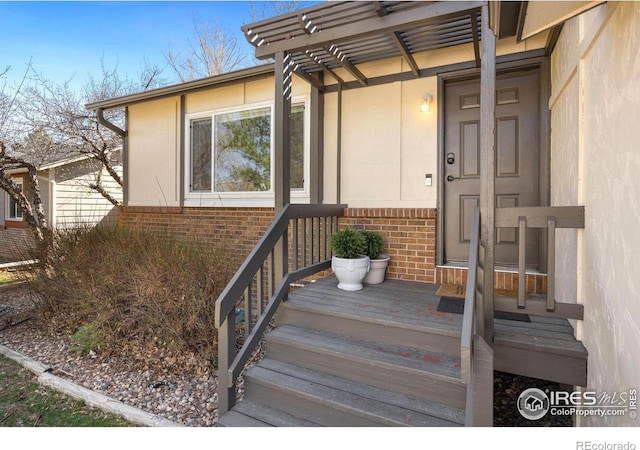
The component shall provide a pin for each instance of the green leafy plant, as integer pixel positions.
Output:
(347, 243)
(373, 243)
(87, 338)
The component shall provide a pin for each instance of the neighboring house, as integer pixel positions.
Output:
(387, 117)
(67, 199)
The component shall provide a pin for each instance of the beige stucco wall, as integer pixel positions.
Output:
(388, 145)
(596, 162)
(154, 152)
(154, 128)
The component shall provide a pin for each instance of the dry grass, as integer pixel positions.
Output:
(112, 286)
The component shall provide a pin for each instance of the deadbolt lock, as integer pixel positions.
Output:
(451, 158)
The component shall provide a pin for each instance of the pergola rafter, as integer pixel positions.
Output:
(346, 34)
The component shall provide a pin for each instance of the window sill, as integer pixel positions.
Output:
(15, 223)
(239, 201)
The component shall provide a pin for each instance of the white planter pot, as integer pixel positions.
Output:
(377, 270)
(350, 272)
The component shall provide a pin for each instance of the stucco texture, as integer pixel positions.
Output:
(596, 162)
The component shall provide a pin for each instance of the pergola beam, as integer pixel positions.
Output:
(380, 9)
(406, 53)
(344, 62)
(311, 80)
(476, 38)
(368, 27)
(397, 40)
(324, 67)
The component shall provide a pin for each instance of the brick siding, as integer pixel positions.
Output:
(235, 229)
(409, 236)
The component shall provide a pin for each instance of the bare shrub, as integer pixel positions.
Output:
(133, 286)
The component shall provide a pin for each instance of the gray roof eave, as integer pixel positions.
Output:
(182, 88)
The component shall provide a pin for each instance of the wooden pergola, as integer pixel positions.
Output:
(316, 41)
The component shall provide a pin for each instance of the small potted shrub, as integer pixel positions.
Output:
(349, 263)
(379, 262)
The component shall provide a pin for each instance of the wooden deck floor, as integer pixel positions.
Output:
(543, 348)
(406, 303)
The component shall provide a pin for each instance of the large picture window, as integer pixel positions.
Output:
(230, 152)
(243, 151)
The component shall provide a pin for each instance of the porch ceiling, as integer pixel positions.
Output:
(344, 34)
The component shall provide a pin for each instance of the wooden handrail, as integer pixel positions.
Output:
(476, 355)
(466, 340)
(230, 364)
(235, 289)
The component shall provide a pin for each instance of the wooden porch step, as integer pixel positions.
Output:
(319, 398)
(248, 413)
(539, 353)
(415, 372)
(395, 312)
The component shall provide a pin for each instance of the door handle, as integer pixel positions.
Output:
(450, 178)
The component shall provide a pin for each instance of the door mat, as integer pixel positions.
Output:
(455, 291)
(455, 305)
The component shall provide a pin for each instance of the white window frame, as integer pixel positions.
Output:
(245, 199)
(8, 199)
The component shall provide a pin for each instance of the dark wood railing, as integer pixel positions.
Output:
(258, 283)
(551, 218)
(476, 355)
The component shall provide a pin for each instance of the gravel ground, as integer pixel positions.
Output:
(173, 385)
(166, 383)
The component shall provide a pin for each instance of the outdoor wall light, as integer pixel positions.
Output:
(425, 106)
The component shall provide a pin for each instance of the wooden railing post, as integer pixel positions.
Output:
(551, 263)
(522, 272)
(226, 355)
(488, 165)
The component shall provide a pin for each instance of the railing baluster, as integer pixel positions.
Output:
(324, 242)
(551, 263)
(317, 229)
(247, 310)
(304, 241)
(522, 275)
(259, 289)
(311, 243)
(295, 245)
(272, 265)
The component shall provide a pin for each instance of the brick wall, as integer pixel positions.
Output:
(236, 229)
(409, 236)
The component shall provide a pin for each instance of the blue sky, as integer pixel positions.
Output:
(68, 39)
